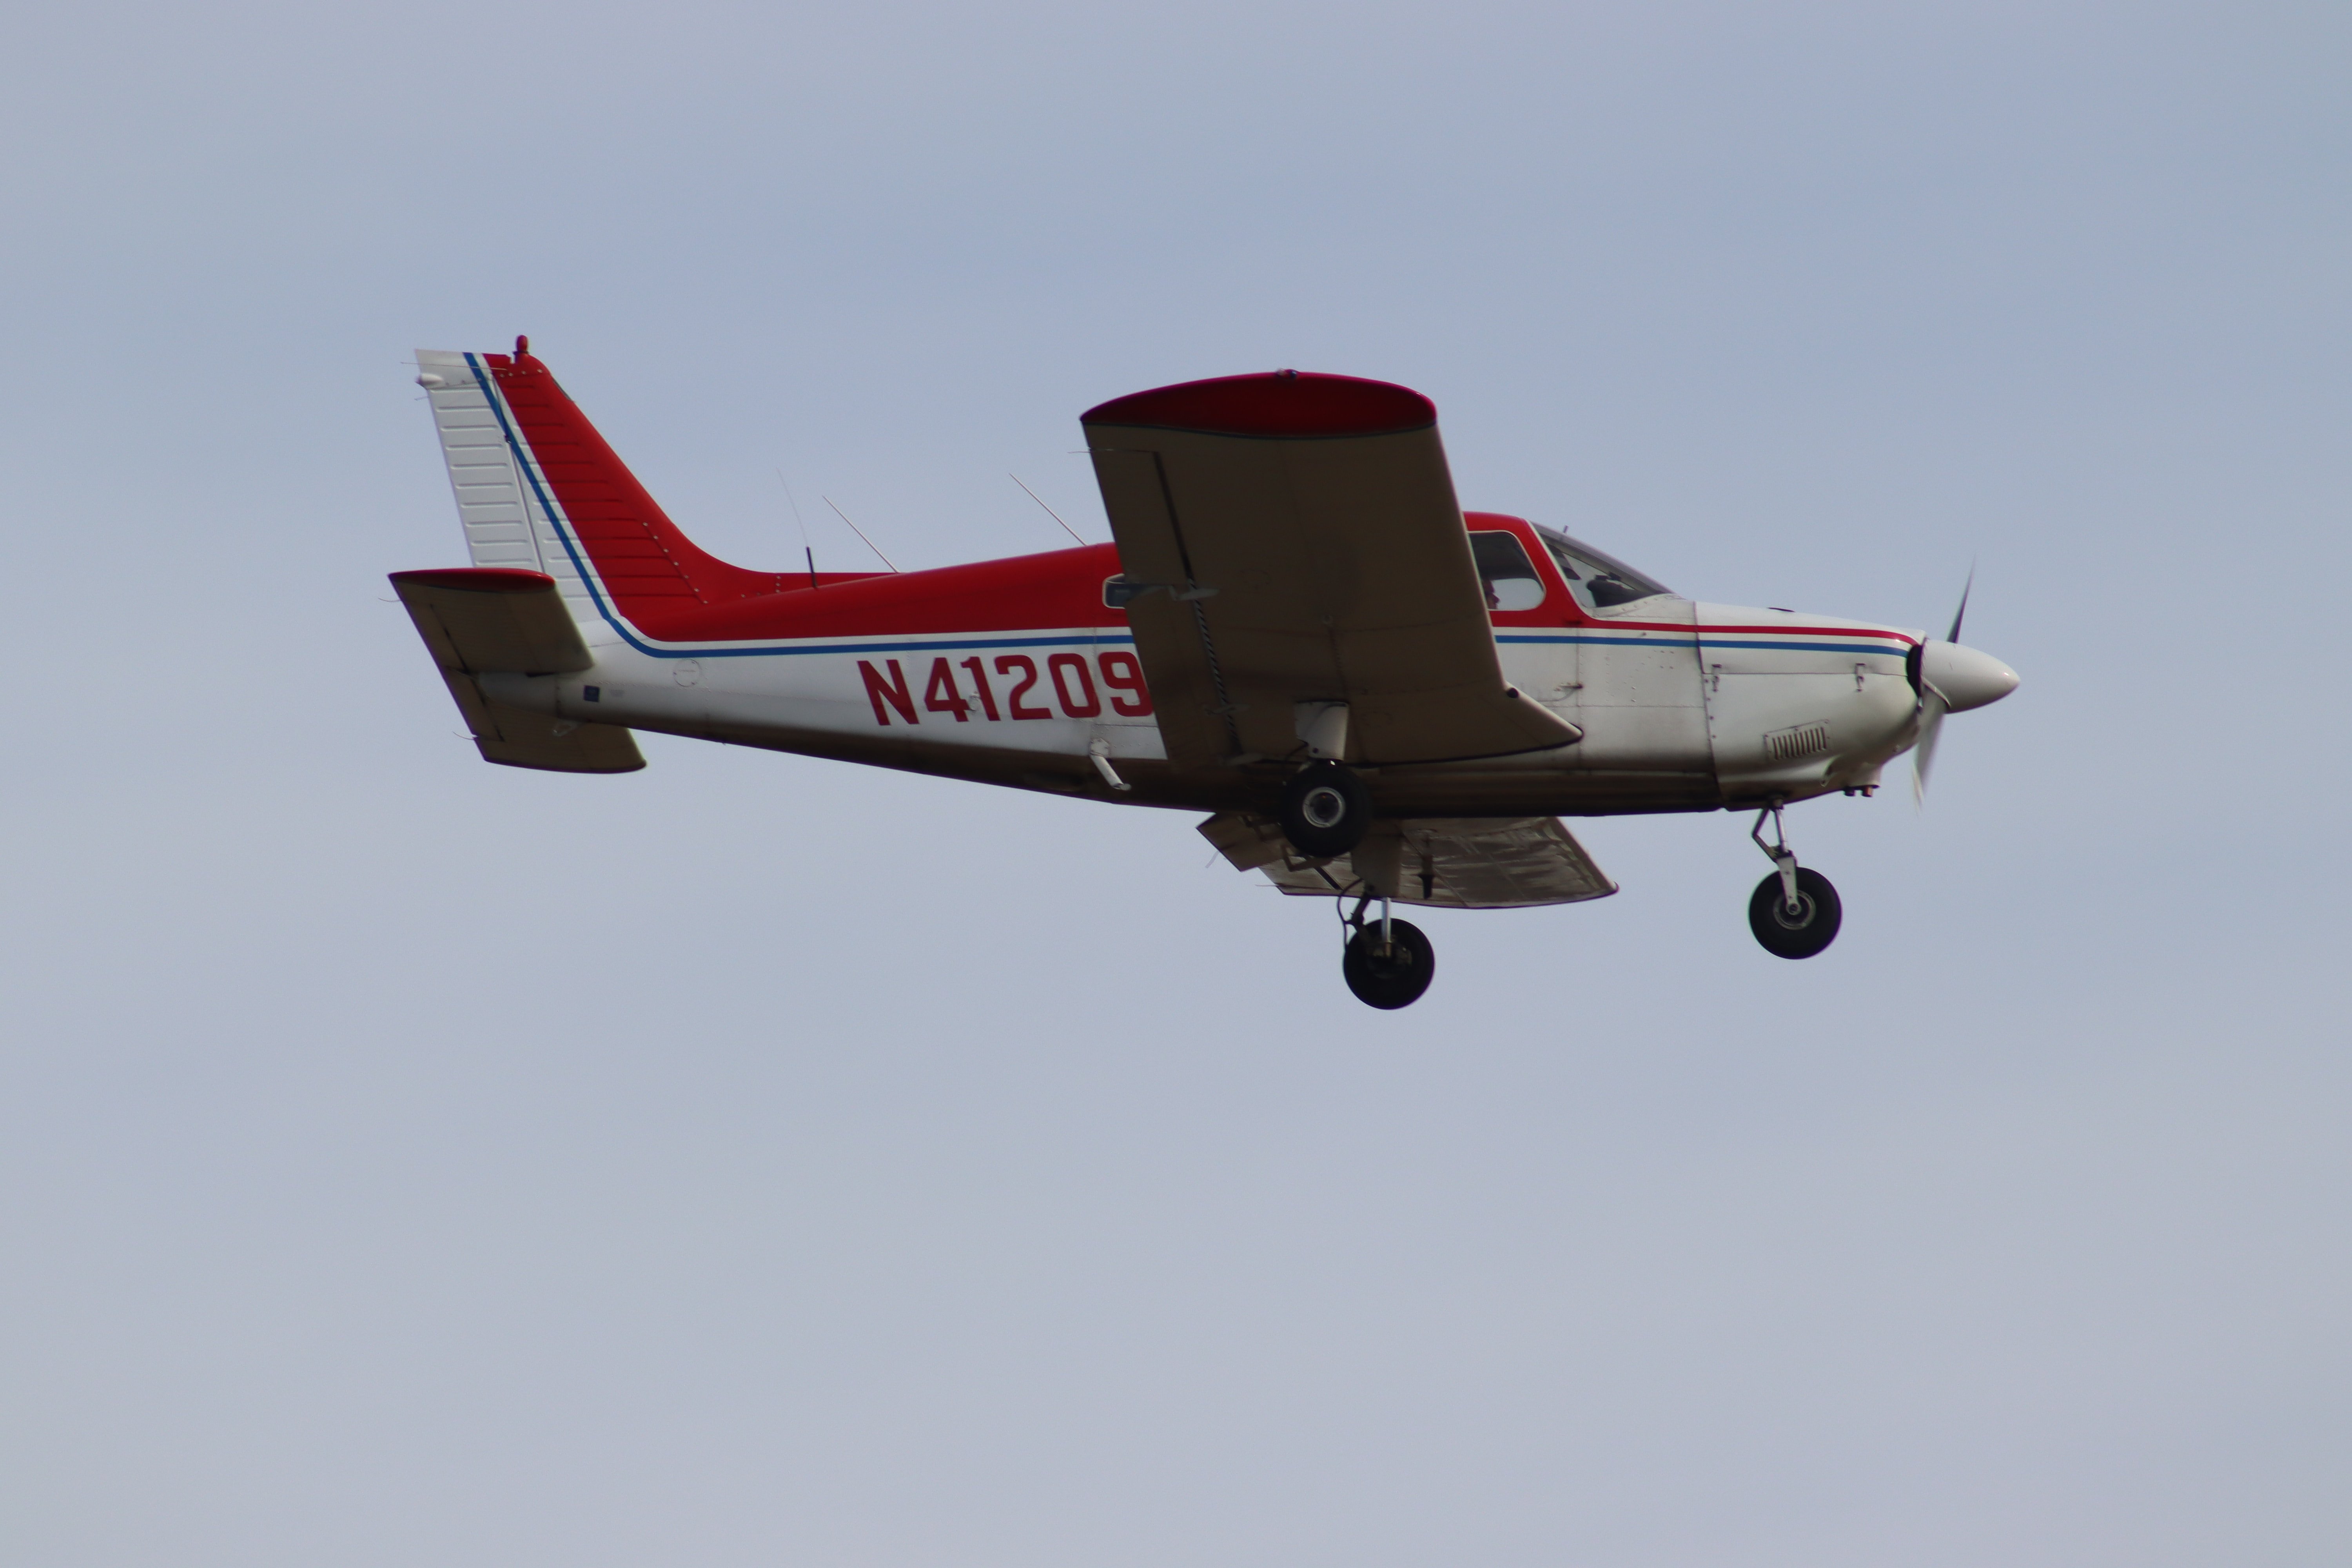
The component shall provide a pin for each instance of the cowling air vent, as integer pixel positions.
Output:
(1804, 741)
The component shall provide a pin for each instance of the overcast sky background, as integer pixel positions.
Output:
(760, 1161)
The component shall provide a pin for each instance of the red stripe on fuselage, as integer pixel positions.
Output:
(1022, 593)
(1703, 633)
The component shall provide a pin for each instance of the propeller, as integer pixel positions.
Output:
(1933, 704)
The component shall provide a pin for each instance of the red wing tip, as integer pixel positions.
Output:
(1296, 403)
(478, 579)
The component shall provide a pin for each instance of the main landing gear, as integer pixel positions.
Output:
(1794, 912)
(1389, 962)
(1326, 810)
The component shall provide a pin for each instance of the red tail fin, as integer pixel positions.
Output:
(647, 565)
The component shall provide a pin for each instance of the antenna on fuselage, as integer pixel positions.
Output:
(860, 532)
(808, 551)
(1056, 516)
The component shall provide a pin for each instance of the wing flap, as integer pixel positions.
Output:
(1459, 863)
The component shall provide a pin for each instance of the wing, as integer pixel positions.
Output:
(1456, 863)
(487, 620)
(1299, 544)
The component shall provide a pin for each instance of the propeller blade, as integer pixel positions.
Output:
(1933, 706)
(1923, 753)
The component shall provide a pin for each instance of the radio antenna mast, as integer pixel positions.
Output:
(860, 532)
(1056, 516)
(808, 551)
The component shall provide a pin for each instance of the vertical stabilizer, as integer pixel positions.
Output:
(539, 491)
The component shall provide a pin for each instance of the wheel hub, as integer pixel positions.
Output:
(1324, 806)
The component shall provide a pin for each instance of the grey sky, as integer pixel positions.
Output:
(760, 1161)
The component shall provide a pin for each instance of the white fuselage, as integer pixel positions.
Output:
(1682, 706)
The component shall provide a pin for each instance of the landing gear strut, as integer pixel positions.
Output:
(1388, 963)
(1794, 912)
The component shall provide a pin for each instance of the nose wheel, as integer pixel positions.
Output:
(1795, 911)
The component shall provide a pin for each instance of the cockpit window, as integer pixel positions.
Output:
(1599, 582)
(1504, 567)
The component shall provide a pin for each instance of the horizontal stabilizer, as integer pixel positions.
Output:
(497, 620)
(515, 739)
(493, 620)
(1453, 863)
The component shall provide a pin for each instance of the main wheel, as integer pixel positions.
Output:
(1393, 979)
(1325, 810)
(1799, 933)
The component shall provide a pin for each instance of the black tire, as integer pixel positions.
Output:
(1325, 810)
(1393, 979)
(1812, 926)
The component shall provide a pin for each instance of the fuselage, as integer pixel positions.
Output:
(1021, 672)
(1292, 573)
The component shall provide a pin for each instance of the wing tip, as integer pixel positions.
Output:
(1275, 405)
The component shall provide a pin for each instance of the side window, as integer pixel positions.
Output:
(1509, 576)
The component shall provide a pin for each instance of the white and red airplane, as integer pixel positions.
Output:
(1297, 629)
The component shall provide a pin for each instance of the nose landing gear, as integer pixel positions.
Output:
(1388, 963)
(1794, 912)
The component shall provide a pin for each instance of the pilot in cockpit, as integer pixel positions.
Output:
(1599, 583)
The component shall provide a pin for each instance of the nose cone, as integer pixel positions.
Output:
(1967, 679)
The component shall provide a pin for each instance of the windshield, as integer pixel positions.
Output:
(1599, 582)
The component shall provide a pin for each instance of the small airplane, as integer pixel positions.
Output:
(1375, 694)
